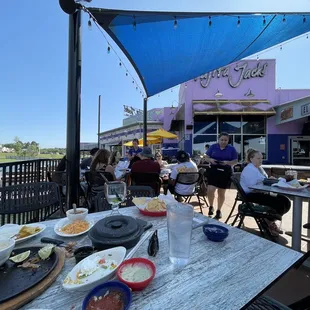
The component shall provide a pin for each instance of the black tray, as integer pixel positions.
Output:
(14, 281)
(269, 182)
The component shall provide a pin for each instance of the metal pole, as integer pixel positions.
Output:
(99, 106)
(145, 122)
(74, 109)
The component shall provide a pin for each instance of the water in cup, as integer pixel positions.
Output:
(179, 219)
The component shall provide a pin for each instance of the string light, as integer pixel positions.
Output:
(89, 24)
(284, 19)
(280, 47)
(210, 21)
(264, 20)
(110, 47)
(257, 58)
(304, 19)
(175, 24)
(238, 22)
(134, 24)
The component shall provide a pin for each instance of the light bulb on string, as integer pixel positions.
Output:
(210, 21)
(89, 24)
(175, 24)
(136, 87)
(126, 73)
(133, 82)
(120, 63)
(304, 19)
(307, 36)
(280, 47)
(257, 58)
(264, 20)
(109, 49)
(134, 24)
(238, 22)
(284, 19)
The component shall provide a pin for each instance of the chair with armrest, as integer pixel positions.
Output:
(259, 213)
(189, 178)
(29, 202)
(147, 179)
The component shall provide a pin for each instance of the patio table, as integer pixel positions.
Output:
(297, 197)
(226, 275)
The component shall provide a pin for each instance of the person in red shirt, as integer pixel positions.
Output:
(147, 163)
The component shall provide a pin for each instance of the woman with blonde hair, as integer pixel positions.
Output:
(254, 174)
(100, 162)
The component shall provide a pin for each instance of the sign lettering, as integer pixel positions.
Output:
(245, 73)
(305, 109)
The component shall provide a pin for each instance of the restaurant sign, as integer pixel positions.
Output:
(287, 114)
(244, 73)
(305, 109)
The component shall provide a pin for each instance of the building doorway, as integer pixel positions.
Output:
(300, 151)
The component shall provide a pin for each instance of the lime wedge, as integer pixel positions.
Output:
(20, 257)
(46, 252)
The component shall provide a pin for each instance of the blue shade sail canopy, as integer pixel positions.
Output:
(168, 48)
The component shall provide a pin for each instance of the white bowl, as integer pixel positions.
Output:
(101, 275)
(6, 248)
(77, 217)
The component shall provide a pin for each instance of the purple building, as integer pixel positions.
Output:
(242, 99)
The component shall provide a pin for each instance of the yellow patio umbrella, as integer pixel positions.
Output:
(162, 134)
(150, 140)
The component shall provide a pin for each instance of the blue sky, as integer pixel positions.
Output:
(33, 69)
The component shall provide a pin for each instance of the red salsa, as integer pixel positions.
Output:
(110, 301)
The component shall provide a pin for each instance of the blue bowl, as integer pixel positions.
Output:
(215, 232)
(112, 286)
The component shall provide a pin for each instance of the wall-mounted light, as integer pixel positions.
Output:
(218, 94)
(249, 93)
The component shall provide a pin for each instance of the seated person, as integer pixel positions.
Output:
(115, 158)
(254, 174)
(86, 162)
(100, 162)
(133, 152)
(184, 165)
(146, 164)
(159, 159)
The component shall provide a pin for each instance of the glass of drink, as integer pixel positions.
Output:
(180, 220)
(115, 193)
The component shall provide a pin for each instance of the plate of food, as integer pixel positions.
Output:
(25, 268)
(94, 269)
(293, 185)
(21, 233)
(150, 206)
(67, 228)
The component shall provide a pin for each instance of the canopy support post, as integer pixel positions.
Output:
(145, 122)
(74, 109)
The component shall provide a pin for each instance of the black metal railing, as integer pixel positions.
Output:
(26, 171)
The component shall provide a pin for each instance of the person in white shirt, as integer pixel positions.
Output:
(254, 174)
(184, 165)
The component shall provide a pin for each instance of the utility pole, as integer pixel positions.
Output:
(99, 107)
(145, 122)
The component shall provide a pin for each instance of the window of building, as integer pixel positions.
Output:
(205, 125)
(230, 123)
(254, 124)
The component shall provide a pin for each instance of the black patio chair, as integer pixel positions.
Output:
(237, 198)
(146, 179)
(259, 212)
(95, 184)
(138, 191)
(189, 178)
(100, 202)
(28, 203)
(202, 187)
(265, 302)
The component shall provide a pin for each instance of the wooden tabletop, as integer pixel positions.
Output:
(225, 275)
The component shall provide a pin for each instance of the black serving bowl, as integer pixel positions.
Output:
(83, 252)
